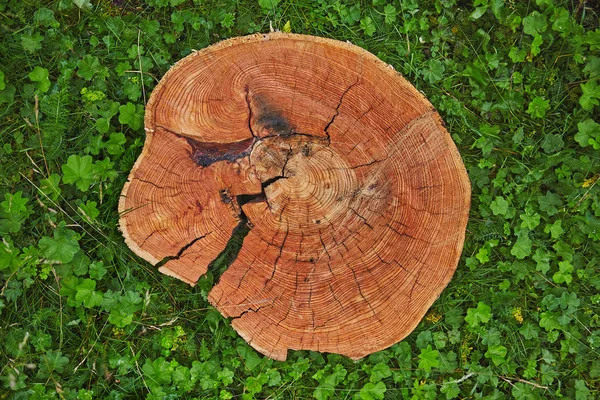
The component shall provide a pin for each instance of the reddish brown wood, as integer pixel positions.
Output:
(359, 198)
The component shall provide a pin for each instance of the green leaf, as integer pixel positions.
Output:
(389, 12)
(434, 72)
(450, 389)
(268, 4)
(548, 321)
(499, 206)
(538, 107)
(158, 372)
(481, 314)
(561, 20)
(50, 186)
(225, 376)
(132, 115)
(228, 20)
(61, 248)
(496, 353)
(590, 96)
(119, 318)
(368, 26)
(251, 359)
(104, 169)
(40, 75)
(45, 17)
(564, 273)
(349, 15)
(2, 83)
(535, 24)
(542, 259)
(274, 377)
(88, 66)
(569, 301)
(254, 384)
(122, 67)
(552, 143)
(581, 390)
(429, 358)
(555, 229)
(517, 55)
(379, 372)
(132, 90)
(522, 247)
(114, 146)
(83, 4)
(549, 203)
(586, 130)
(32, 43)
(529, 331)
(79, 171)
(478, 12)
(182, 377)
(483, 255)
(131, 302)
(373, 391)
(12, 291)
(89, 211)
(592, 68)
(97, 270)
(530, 221)
(14, 203)
(52, 361)
(87, 295)
(8, 255)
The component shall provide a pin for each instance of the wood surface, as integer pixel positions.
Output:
(356, 197)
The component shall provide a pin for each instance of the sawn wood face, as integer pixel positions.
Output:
(356, 197)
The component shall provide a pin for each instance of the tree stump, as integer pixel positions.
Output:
(355, 196)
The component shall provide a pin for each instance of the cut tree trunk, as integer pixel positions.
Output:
(355, 196)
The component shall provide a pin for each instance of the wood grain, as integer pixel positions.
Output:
(356, 197)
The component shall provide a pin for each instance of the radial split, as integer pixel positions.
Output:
(355, 195)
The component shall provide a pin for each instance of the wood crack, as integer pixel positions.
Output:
(247, 90)
(150, 183)
(337, 109)
(287, 231)
(181, 250)
(361, 217)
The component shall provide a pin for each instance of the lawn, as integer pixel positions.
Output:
(518, 86)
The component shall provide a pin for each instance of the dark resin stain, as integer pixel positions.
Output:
(207, 153)
(274, 124)
(269, 120)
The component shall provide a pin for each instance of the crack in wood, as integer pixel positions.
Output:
(337, 109)
(181, 251)
(363, 296)
(205, 154)
(324, 247)
(150, 183)
(406, 234)
(287, 231)
(257, 309)
(361, 217)
(247, 90)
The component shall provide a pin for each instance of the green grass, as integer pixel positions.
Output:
(517, 84)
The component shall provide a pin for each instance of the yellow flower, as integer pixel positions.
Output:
(591, 181)
(433, 317)
(517, 314)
